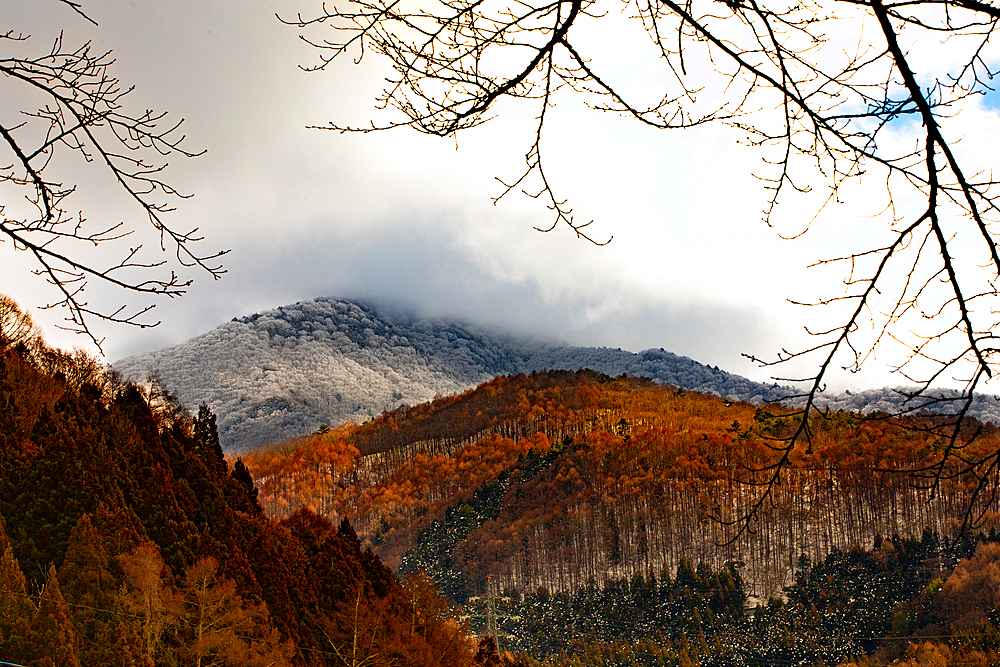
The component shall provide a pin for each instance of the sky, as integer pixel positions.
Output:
(407, 221)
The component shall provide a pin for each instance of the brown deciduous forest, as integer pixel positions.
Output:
(126, 538)
(579, 519)
(560, 478)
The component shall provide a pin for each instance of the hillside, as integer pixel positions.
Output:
(126, 538)
(560, 478)
(285, 372)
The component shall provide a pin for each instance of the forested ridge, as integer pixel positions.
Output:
(556, 478)
(578, 514)
(286, 371)
(126, 538)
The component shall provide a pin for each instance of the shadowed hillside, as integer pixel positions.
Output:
(126, 538)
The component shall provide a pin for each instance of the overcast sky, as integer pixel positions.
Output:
(406, 221)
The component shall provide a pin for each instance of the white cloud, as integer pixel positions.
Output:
(407, 219)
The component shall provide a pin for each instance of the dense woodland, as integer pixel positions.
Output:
(556, 479)
(284, 372)
(127, 539)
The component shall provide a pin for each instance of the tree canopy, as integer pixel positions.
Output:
(159, 554)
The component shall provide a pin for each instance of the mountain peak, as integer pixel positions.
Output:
(286, 371)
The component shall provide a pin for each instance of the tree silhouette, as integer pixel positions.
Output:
(16, 326)
(16, 608)
(206, 437)
(51, 631)
(77, 116)
(817, 88)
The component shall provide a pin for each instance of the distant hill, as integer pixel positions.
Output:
(287, 371)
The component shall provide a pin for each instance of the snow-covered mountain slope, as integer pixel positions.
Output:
(286, 371)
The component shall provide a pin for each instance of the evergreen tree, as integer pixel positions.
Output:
(90, 585)
(16, 608)
(206, 438)
(347, 534)
(51, 637)
(486, 654)
(242, 475)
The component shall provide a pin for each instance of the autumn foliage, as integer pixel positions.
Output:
(127, 539)
(556, 478)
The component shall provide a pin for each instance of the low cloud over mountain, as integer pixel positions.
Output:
(286, 371)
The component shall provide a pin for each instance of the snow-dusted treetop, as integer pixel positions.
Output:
(286, 371)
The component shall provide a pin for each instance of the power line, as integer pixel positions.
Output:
(176, 620)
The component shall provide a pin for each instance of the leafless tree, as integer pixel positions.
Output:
(16, 326)
(819, 87)
(75, 131)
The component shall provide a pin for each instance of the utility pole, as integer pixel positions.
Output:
(490, 613)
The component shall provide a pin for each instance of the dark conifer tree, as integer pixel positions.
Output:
(206, 438)
(51, 638)
(346, 532)
(242, 475)
(486, 654)
(90, 586)
(16, 608)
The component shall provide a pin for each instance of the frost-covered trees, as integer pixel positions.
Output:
(284, 372)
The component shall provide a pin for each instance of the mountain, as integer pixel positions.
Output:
(127, 537)
(287, 371)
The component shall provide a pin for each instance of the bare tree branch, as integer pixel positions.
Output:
(81, 111)
(817, 107)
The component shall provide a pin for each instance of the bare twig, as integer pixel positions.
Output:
(82, 110)
(816, 107)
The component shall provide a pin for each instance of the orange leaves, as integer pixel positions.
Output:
(590, 397)
(575, 451)
(973, 589)
(540, 445)
(317, 472)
